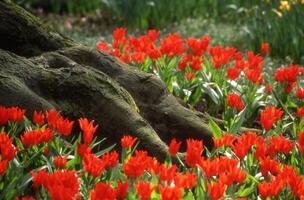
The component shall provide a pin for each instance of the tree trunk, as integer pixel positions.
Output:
(40, 69)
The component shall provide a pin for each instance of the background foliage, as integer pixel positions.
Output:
(274, 21)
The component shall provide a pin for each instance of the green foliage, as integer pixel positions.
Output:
(267, 21)
(216, 130)
(261, 20)
(69, 6)
(155, 13)
(279, 28)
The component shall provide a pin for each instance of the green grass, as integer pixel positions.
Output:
(88, 33)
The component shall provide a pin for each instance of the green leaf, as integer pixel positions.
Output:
(154, 179)
(105, 150)
(155, 195)
(71, 163)
(257, 103)
(215, 129)
(134, 148)
(189, 196)
(24, 182)
(33, 158)
(200, 187)
(195, 96)
(252, 178)
(219, 92)
(48, 164)
(97, 143)
(285, 126)
(244, 192)
(212, 93)
(9, 191)
(239, 121)
(291, 104)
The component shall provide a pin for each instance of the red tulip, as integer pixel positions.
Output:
(60, 162)
(110, 159)
(134, 167)
(172, 45)
(233, 73)
(103, 191)
(144, 189)
(64, 126)
(38, 118)
(300, 93)
(187, 180)
(88, 130)
(35, 137)
(216, 190)
(300, 112)
(235, 101)
(265, 48)
(193, 152)
(7, 149)
(62, 184)
(93, 165)
(122, 189)
(170, 193)
(174, 147)
(127, 141)
(16, 114)
(269, 166)
(102, 46)
(269, 116)
(3, 166)
(287, 74)
(52, 116)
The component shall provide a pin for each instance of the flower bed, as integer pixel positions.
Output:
(43, 158)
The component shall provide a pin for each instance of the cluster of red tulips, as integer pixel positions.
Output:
(193, 69)
(43, 157)
(191, 53)
(54, 166)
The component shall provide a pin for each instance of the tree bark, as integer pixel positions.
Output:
(40, 69)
